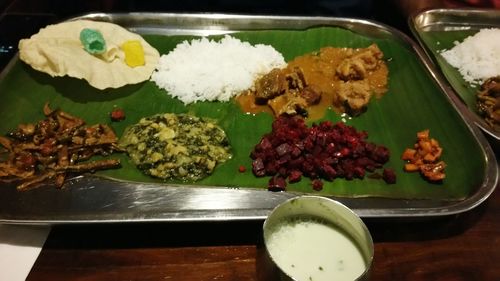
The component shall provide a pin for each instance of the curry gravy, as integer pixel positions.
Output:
(320, 72)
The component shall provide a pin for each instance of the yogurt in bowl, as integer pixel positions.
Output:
(313, 238)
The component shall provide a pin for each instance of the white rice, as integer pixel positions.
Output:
(207, 70)
(477, 58)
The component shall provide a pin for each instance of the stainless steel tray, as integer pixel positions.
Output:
(97, 200)
(462, 22)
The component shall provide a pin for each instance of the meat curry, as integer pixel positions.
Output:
(343, 79)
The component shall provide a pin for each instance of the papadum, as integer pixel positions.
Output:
(58, 51)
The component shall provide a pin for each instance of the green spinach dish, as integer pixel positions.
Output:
(176, 146)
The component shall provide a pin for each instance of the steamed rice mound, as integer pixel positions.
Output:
(477, 58)
(209, 70)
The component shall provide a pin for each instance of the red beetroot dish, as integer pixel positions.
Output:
(323, 151)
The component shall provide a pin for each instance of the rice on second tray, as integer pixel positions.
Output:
(477, 57)
(209, 70)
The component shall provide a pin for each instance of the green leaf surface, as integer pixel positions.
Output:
(413, 103)
(438, 41)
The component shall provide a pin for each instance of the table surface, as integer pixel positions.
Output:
(459, 247)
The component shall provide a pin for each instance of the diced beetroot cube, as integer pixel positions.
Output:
(381, 154)
(265, 144)
(389, 176)
(271, 168)
(296, 151)
(329, 172)
(317, 184)
(283, 149)
(258, 167)
(277, 183)
(359, 172)
(294, 176)
(344, 152)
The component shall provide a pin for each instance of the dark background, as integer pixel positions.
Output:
(22, 18)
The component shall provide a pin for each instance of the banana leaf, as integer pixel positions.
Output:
(437, 41)
(413, 103)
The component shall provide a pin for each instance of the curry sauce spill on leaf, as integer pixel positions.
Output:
(170, 146)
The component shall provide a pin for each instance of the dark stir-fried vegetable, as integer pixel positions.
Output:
(488, 102)
(47, 151)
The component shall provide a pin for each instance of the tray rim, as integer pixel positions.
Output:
(415, 20)
(482, 193)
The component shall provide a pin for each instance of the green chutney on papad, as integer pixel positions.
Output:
(176, 146)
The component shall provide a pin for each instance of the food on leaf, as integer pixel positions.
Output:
(49, 150)
(176, 146)
(58, 51)
(134, 53)
(342, 78)
(324, 151)
(117, 114)
(214, 70)
(92, 41)
(425, 157)
(488, 102)
(477, 57)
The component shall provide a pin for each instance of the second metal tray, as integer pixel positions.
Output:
(439, 29)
